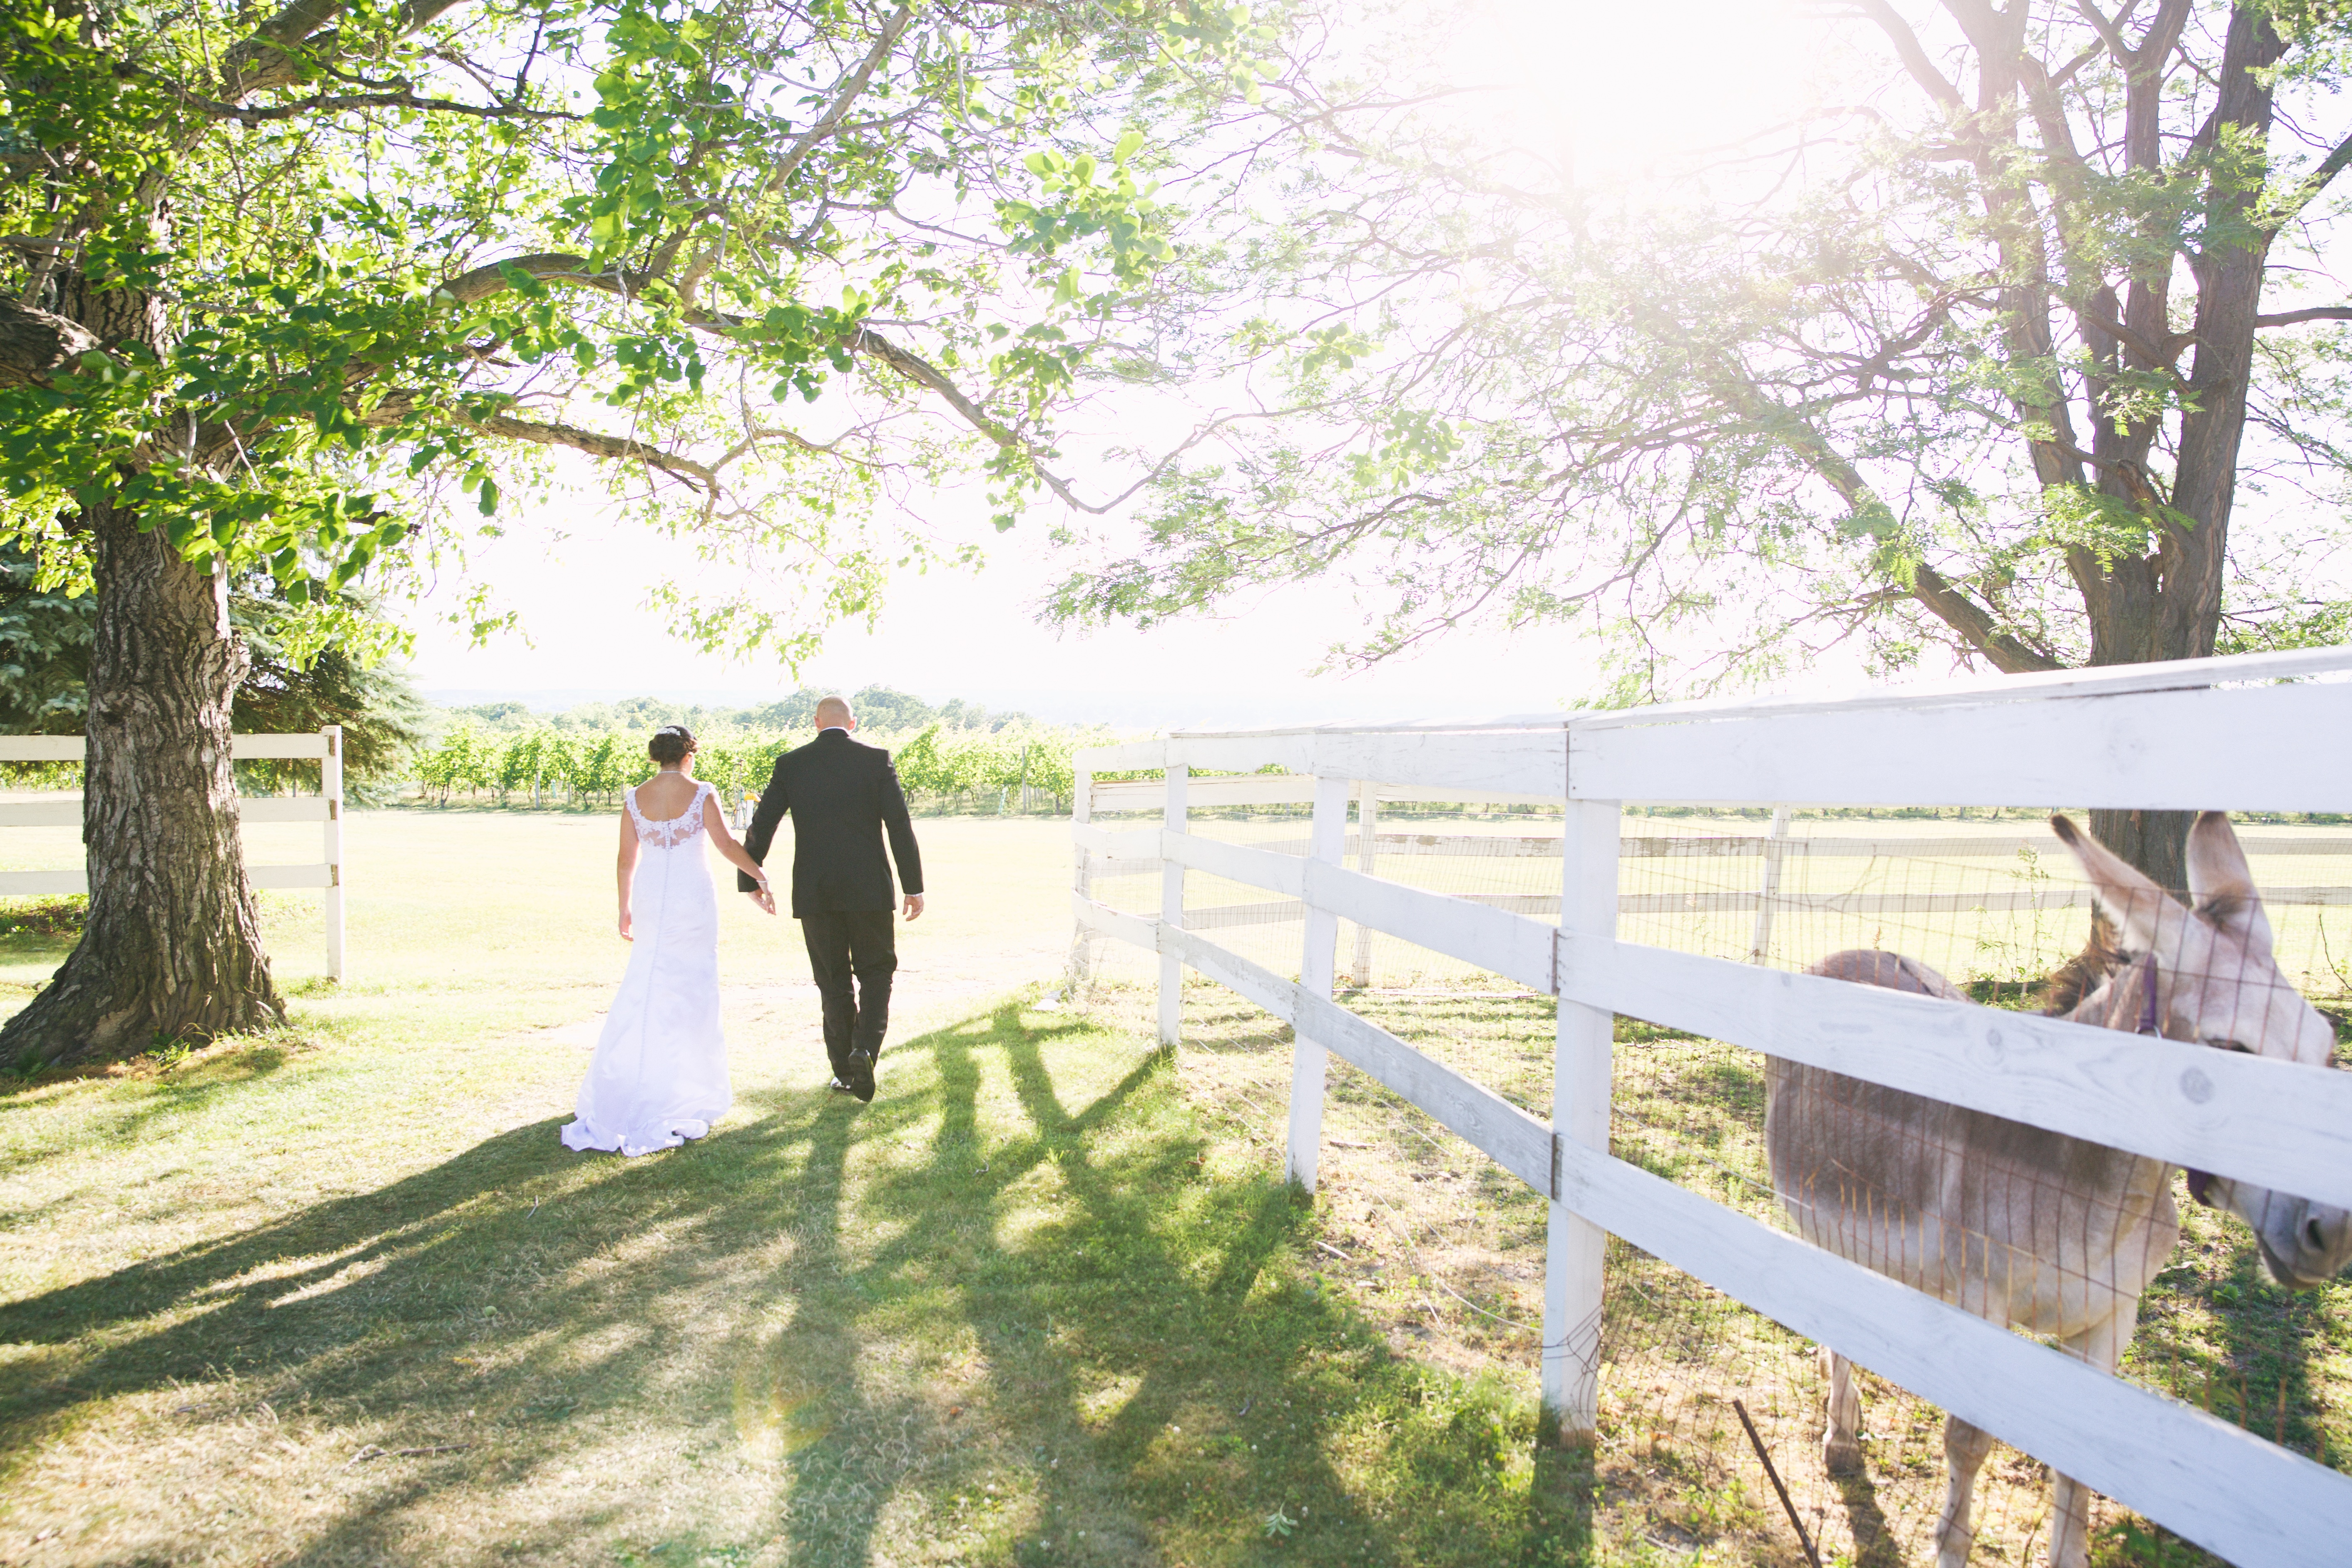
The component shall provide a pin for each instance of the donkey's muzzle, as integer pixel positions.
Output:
(2304, 1244)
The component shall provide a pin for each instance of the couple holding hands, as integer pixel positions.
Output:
(659, 1075)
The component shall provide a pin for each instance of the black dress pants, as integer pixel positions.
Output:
(842, 944)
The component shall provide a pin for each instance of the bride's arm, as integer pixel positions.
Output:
(714, 823)
(627, 868)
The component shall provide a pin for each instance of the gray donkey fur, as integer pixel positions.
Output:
(2021, 1226)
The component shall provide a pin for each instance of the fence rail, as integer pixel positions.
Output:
(1719, 902)
(326, 808)
(2234, 732)
(1142, 852)
(1145, 842)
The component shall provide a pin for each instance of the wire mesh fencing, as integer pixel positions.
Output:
(1447, 1251)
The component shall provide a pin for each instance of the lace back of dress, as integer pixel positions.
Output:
(679, 829)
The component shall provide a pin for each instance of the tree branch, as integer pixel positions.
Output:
(266, 59)
(1949, 604)
(472, 287)
(2334, 163)
(2316, 313)
(848, 94)
(2111, 33)
(1964, 616)
(275, 55)
(597, 444)
(330, 103)
(400, 403)
(1915, 58)
(35, 345)
(2159, 356)
(555, 266)
(915, 368)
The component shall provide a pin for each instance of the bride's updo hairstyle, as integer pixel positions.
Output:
(670, 745)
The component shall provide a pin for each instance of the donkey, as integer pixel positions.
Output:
(2021, 1226)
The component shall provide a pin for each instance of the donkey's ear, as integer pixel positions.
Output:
(2219, 885)
(2136, 904)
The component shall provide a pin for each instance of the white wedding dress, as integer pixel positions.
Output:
(660, 1075)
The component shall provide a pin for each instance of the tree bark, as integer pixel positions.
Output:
(35, 345)
(173, 947)
(2167, 606)
(2124, 629)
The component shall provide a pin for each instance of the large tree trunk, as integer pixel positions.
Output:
(2167, 606)
(2131, 632)
(2155, 841)
(173, 947)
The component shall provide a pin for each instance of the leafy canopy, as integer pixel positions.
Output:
(300, 289)
(2017, 343)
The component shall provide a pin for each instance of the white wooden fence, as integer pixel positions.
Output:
(1767, 900)
(2253, 733)
(326, 808)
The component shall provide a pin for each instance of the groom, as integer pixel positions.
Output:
(842, 795)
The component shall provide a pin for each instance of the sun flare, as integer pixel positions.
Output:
(1611, 90)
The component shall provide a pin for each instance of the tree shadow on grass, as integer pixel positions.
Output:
(1188, 1378)
(778, 1316)
(389, 1311)
(187, 1090)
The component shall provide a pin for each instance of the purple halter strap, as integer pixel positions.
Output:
(2199, 1181)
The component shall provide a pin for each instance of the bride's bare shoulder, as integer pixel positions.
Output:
(667, 795)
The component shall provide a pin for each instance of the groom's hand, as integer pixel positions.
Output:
(914, 906)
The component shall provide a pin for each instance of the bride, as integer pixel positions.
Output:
(660, 1075)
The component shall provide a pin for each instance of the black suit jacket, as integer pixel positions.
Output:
(842, 796)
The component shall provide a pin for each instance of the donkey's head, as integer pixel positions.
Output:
(2206, 975)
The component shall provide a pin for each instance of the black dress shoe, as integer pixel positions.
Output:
(861, 1075)
(839, 1087)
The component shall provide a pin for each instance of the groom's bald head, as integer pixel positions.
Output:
(833, 710)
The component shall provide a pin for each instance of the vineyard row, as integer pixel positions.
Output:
(550, 766)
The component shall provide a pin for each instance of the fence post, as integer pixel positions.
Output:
(1760, 947)
(1580, 1113)
(1368, 828)
(1082, 879)
(1172, 912)
(330, 786)
(1327, 843)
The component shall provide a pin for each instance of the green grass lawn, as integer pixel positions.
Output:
(338, 1295)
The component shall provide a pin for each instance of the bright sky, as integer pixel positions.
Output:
(1590, 77)
(961, 635)
(1613, 88)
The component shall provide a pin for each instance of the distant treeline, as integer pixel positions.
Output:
(957, 754)
(878, 709)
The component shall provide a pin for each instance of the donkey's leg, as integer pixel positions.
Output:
(2102, 1344)
(1965, 1447)
(1841, 1443)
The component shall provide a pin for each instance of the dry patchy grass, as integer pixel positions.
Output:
(1442, 1253)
